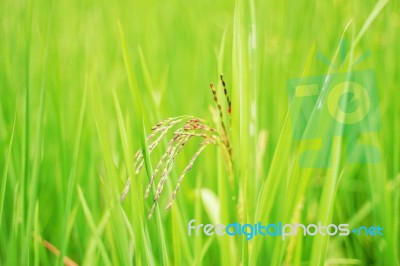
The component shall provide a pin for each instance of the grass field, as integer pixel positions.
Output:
(83, 82)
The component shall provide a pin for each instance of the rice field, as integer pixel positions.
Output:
(117, 129)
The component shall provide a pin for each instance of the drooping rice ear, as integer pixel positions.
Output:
(164, 129)
(187, 169)
(126, 189)
(159, 164)
(180, 143)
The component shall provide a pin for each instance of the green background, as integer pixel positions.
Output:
(80, 81)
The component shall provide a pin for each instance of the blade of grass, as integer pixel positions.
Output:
(36, 228)
(37, 150)
(227, 187)
(92, 226)
(139, 229)
(372, 16)
(72, 176)
(149, 171)
(5, 170)
(118, 239)
(241, 120)
(26, 160)
(95, 238)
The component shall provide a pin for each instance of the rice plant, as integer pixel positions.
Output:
(187, 127)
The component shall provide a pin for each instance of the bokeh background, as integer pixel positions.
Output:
(80, 81)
